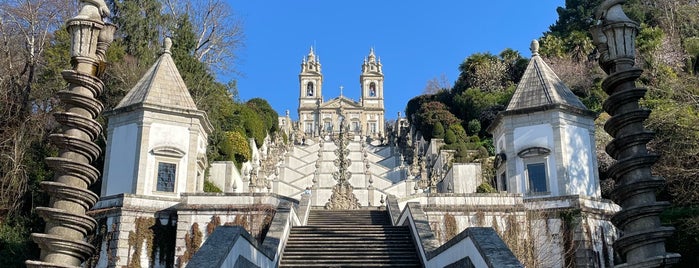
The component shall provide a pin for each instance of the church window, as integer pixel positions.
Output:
(309, 127)
(309, 89)
(536, 174)
(328, 126)
(372, 127)
(166, 177)
(372, 89)
(535, 169)
(355, 126)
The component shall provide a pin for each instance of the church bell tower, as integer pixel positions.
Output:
(371, 83)
(310, 92)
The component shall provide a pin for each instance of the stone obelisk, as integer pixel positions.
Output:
(63, 241)
(642, 243)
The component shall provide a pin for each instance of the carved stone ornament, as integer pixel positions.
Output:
(343, 193)
(642, 243)
(63, 241)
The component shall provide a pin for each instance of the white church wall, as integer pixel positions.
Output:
(120, 161)
(579, 158)
(535, 136)
(172, 136)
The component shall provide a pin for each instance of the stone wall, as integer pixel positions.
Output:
(553, 232)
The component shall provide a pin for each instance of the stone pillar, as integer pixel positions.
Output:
(642, 243)
(62, 243)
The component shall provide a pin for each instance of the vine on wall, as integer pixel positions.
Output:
(142, 235)
(450, 226)
(192, 241)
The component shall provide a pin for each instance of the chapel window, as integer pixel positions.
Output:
(372, 89)
(166, 177)
(536, 175)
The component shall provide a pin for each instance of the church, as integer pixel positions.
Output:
(336, 174)
(365, 117)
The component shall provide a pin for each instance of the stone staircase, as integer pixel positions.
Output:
(349, 238)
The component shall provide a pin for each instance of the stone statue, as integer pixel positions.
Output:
(93, 10)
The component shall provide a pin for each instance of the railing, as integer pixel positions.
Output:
(233, 246)
(473, 247)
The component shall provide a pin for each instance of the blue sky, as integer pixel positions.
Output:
(416, 41)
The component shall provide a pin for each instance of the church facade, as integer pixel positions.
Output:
(364, 117)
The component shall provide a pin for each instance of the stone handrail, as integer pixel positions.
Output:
(473, 247)
(393, 209)
(233, 246)
(304, 209)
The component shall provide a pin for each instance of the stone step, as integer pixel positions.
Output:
(291, 265)
(349, 238)
(354, 262)
(408, 248)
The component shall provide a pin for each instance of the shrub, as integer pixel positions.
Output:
(485, 188)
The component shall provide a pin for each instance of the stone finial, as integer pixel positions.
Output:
(311, 55)
(534, 47)
(167, 45)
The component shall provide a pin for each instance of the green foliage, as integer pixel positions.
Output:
(579, 45)
(575, 16)
(269, 115)
(474, 127)
(15, 247)
(139, 25)
(438, 131)
(485, 188)
(551, 46)
(649, 39)
(482, 70)
(235, 147)
(691, 45)
(449, 137)
(458, 131)
(210, 187)
(431, 113)
(249, 122)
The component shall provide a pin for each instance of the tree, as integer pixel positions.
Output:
(437, 84)
(141, 26)
(577, 15)
(438, 131)
(217, 31)
(269, 115)
(551, 46)
(481, 70)
(26, 34)
(431, 113)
